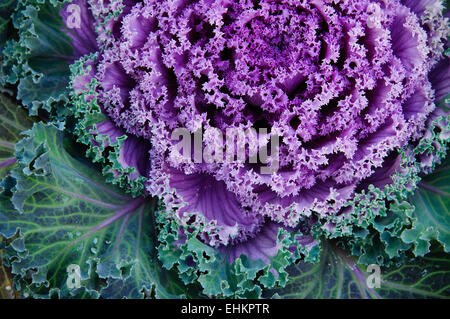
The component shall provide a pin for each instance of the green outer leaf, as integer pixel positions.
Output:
(13, 120)
(66, 215)
(39, 60)
(338, 276)
(6, 9)
(431, 218)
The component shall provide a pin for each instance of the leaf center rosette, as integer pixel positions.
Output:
(341, 87)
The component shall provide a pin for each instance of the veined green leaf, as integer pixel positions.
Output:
(6, 8)
(338, 276)
(432, 214)
(39, 60)
(423, 277)
(13, 120)
(67, 215)
(335, 276)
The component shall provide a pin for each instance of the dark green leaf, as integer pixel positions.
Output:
(431, 218)
(40, 58)
(6, 8)
(13, 120)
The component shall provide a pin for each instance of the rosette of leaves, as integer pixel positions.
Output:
(357, 93)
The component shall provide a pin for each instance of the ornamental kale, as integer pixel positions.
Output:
(349, 98)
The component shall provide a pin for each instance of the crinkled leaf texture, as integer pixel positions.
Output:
(6, 7)
(123, 156)
(13, 120)
(233, 272)
(66, 214)
(432, 211)
(38, 61)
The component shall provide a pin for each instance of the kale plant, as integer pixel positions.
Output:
(224, 148)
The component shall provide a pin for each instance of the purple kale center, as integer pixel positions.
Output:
(344, 85)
